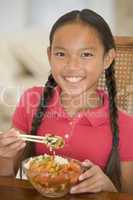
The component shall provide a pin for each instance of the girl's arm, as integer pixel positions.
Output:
(11, 149)
(9, 166)
(127, 176)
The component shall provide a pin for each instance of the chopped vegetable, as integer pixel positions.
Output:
(54, 141)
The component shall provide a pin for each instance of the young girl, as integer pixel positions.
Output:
(70, 105)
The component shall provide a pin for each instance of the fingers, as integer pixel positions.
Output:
(91, 179)
(85, 183)
(9, 137)
(10, 143)
(17, 145)
(9, 140)
(93, 171)
(93, 184)
(87, 163)
(12, 149)
(10, 133)
(95, 187)
(10, 152)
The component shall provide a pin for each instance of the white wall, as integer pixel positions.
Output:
(45, 12)
(18, 14)
(13, 15)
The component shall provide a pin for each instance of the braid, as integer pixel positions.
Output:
(113, 165)
(44, 100)
(47, 94)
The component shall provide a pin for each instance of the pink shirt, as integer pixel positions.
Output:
(88, 135)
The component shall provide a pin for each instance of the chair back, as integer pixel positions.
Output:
(123, 73)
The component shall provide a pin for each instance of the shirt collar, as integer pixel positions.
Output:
(96, 116)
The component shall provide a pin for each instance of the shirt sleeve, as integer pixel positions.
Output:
(20, 116)
(126, 138)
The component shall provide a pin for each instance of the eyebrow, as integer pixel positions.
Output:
(86, 48)
(57, 47)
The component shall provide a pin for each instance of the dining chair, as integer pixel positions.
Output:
(123, 73)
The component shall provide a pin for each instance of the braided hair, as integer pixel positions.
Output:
(42, 107)
(113, 169)
(47, 95)
(91, 18)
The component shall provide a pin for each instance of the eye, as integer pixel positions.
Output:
(86, 54)
(60, 54)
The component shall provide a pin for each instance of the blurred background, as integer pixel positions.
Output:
(24, 30)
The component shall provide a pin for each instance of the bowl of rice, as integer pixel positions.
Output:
(52, 175)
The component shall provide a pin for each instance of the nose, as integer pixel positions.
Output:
(73, 62)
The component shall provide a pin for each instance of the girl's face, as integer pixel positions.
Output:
(77, 58)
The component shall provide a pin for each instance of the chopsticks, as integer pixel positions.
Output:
(33, 138)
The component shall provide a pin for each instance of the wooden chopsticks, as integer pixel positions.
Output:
(33, 138)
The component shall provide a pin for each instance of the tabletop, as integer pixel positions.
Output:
(15, 189)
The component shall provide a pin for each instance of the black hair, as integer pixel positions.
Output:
(94, 20)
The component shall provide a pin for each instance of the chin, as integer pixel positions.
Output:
(73, 92)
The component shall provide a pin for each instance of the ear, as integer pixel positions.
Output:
(109, 57)
(49, 54)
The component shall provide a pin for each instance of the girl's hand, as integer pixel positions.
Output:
(93, 180)
(10, 143)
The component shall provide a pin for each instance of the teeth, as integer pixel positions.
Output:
(73, 79)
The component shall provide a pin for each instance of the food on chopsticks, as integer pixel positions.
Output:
(54, 141)
(50, 140)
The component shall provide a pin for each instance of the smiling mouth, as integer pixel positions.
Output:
(73, 79)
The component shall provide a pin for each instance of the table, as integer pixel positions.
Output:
(14, 189)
